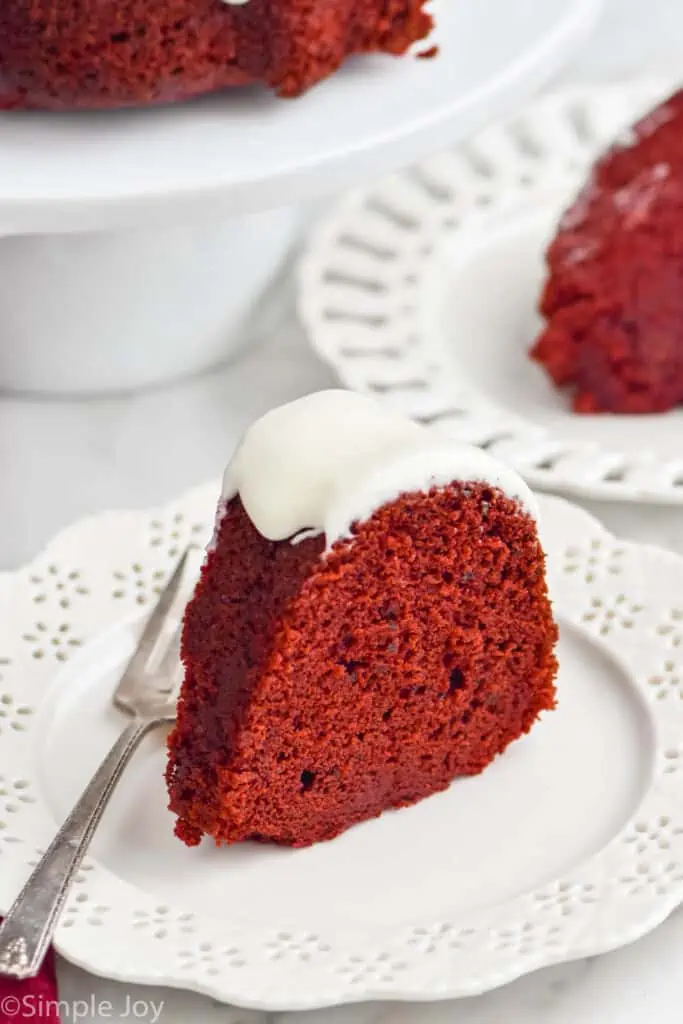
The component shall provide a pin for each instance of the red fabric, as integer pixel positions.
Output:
(35, 999)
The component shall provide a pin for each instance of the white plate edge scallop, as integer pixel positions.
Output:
(371, 267)
(622, 597)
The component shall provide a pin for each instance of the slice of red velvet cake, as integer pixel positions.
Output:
(613, 301)
(372, 621)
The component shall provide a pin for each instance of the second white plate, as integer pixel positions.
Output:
(423, 288)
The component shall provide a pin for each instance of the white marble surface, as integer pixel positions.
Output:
(61, 460)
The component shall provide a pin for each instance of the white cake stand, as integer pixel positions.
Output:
(136, 242)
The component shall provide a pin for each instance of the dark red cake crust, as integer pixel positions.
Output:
(80, 54)
(321, 691)
(613, 300)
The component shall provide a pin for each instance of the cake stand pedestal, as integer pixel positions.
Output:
(135, 243)
(130, 308)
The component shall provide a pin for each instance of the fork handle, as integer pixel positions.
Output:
(27, 930)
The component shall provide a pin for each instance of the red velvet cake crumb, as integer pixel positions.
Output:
(71, 54)
(322, 689)
(613, 300)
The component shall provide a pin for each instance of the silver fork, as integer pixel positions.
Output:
(147, 692)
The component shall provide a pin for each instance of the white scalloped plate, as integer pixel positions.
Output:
(569, 845)
(422, 289)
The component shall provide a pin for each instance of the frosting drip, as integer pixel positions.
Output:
(332, 458)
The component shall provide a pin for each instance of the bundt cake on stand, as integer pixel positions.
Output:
(150, 190)
(371, 622)
(68, 56)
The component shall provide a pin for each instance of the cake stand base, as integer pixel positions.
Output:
(116, 310)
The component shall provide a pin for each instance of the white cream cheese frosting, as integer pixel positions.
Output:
(333, 458)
